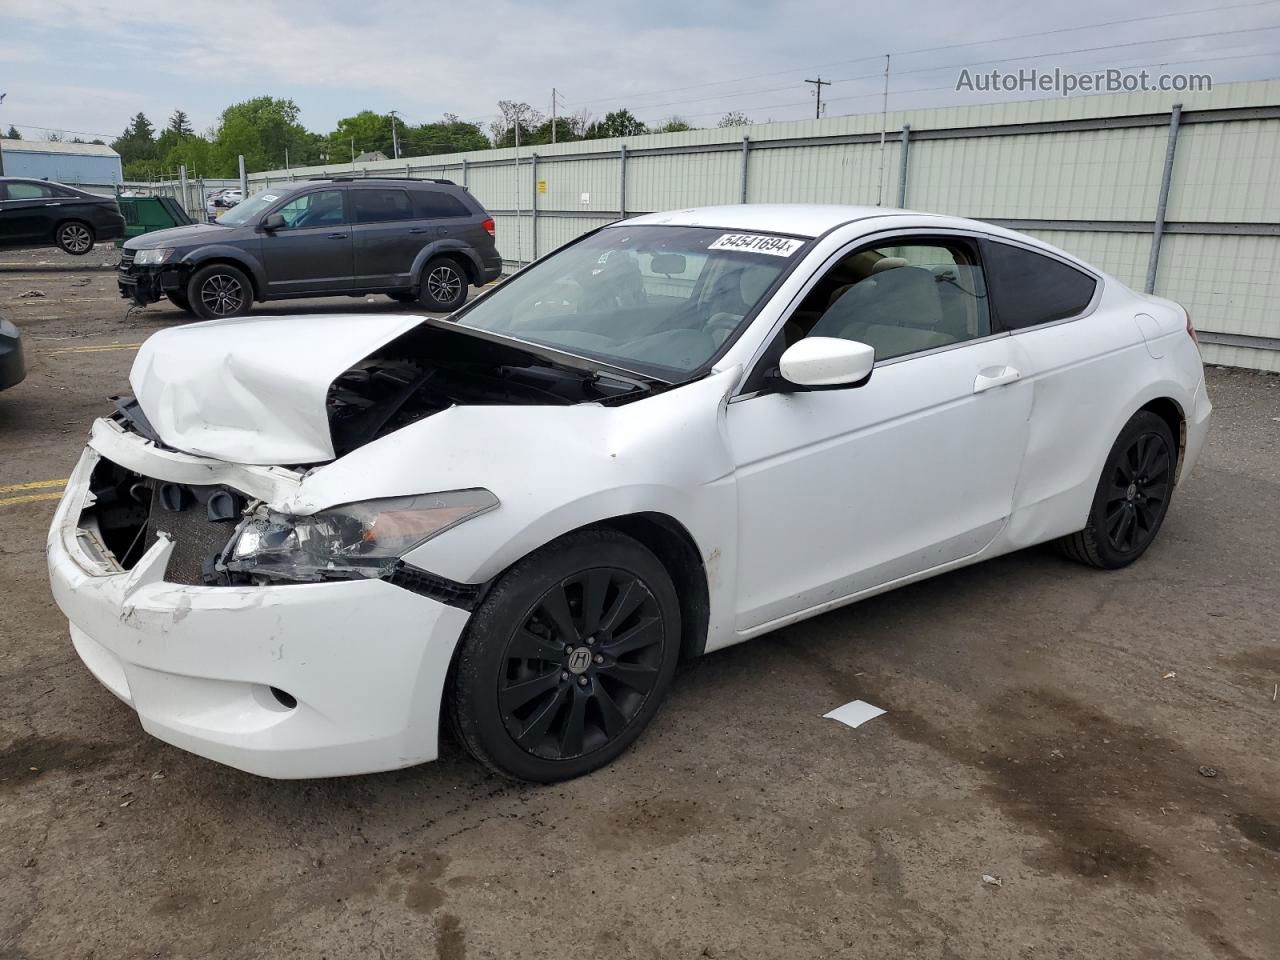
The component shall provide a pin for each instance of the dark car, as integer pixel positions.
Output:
(37, 213)
(12, 369)
(423, 240)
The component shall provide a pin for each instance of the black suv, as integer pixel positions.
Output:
(422, 240)
(37, 213)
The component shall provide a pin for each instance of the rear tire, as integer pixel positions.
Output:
(74, 237)
(1132, 497)
(403, 296)
(180, 301)
(444, 285)
(219, 291)
(567, 659)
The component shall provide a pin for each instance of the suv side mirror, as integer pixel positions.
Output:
(827, 362)
(273, 222)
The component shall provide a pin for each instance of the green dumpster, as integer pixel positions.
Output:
(145, 214)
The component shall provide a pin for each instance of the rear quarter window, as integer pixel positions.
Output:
(433, 204)
(1029, 289)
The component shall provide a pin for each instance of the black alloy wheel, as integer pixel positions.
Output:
(75, 238)
(444, 285)
(219, 291)
(567, 658)
(1132, 495)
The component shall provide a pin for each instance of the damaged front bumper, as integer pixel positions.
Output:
(147, 284)
(289, 681)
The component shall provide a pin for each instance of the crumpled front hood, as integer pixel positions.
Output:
(189, 235)
(253, 390)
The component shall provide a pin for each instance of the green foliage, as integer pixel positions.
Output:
(673, 125)
(13, 134)
(616, 123)
(734, 118)
(449, 135)
(261, 129)
(370, 131)
(180, 124)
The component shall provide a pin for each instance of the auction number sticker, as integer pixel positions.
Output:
(757, 243)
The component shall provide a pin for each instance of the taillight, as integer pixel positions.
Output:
(492, 231)
(1191, 331)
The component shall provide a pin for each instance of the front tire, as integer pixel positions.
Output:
(219, 291)
(180, 301)
(444, 285)
(1132, 497)
(567, 659)
(74, 237)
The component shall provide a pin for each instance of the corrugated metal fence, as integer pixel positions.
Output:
(1087, 174)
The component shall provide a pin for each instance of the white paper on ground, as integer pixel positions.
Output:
(854, 714)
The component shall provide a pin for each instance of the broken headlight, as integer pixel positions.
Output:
(363, 539)
(153, 257)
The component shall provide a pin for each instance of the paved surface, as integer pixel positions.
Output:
(1031, 736)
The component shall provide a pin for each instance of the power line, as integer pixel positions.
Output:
(903, 53)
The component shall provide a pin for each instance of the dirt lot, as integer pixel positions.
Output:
(1036, 733)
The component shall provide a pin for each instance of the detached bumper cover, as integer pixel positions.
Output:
(144, 285)
(365, 660)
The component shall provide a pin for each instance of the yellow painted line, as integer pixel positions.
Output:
(30, 498)
(99, 348)
(33, 485)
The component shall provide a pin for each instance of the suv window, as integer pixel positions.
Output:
(28, 191)
(320, 209)
(900, 298)
(1031, 289)
(436, 204)
(372, 205)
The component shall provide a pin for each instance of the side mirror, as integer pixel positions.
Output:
(827, 362)
(273, 222)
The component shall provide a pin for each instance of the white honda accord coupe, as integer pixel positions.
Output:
(307, 540)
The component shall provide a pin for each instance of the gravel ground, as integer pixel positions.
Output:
(1048, 726)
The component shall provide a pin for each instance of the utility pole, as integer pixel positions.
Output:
(2, 96)
(884, 123)
(554, 97)
(286, 158)
(395, 139)
(817, 87)
(353, 153)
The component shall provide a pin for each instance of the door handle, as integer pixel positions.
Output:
(989, 377)
(54, 203)
(417, 229)
(335, 236)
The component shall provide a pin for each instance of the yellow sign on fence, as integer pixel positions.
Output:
(542, 186)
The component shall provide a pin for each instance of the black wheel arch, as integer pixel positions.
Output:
(244, 267)
(1171, 412)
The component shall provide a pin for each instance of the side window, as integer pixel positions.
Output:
(438, 205)
(320, 209)
(1031, 289)
(381, 206)
(901, 298)
(28, 191)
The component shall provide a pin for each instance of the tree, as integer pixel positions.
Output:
(261, 129)
(616, 123)
(180, 124)
(514, 113)
(371, 131)
(55, 136)
(13, 133)
(449, 135)
(137, 148)
(673, 124)
(734, 118)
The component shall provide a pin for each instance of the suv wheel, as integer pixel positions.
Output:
(219, 290)
(180, 301)
(75, 238)
(567, 659)
(444, 285)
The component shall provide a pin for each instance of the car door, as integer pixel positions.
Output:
(28, 212)
(312, 252)
(388, 236)
(843, 490)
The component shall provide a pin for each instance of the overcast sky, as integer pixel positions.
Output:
(87, 67)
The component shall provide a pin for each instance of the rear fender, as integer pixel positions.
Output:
(453, 247)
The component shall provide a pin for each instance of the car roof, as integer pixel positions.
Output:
(801, 219)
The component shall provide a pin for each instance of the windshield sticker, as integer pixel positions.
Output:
(757, 243)
(269, 197)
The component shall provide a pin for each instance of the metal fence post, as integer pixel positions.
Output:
(244, 180)
(533, 202)
(902, 165)
(622, 181)
(464, 171)
(1162, 205)
(182, 182)
(746, 153)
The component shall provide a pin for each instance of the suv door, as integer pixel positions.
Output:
(844, 490)
(27, 212)
(388, 236)
(312, 252)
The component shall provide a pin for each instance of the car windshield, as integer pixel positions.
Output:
(657, 299)
(248, 211)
